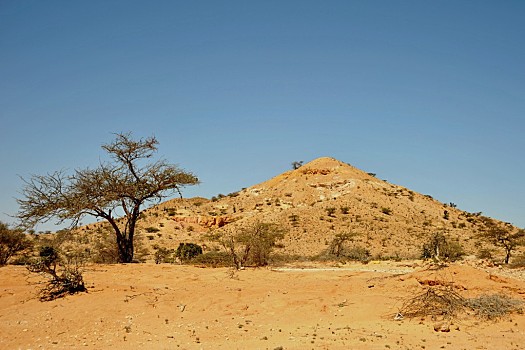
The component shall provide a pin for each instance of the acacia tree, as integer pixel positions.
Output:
(505, 236)
(114, 191)
(11, 242)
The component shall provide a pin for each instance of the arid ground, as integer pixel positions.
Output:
(352, 306)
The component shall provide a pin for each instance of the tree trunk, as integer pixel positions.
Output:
(507, 256)
(125, 249)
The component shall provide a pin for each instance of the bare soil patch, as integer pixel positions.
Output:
(147, 306)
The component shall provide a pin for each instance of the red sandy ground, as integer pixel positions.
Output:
(147, 306)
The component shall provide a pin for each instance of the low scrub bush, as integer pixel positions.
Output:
(439, 247)
(253, 244)
(11, 243)
(358, 253)
(62, 277)
(164, 255)
(494, 306)
(214, 259)
(442, 302)
(188, 251)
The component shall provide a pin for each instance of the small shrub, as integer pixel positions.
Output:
(188, 251)
(518, 262)
(386, 211)
(439, 247)
(214, 259)
(358, 254)
(494, 306)
(252, 244)
(337, 246)
(485, 254)
(164, 255)
(330, 211)
(11, 243)
(63, 278)
(345, 210)
(297, 164)
(152, 229)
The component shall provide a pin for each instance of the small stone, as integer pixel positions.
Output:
(442, 327)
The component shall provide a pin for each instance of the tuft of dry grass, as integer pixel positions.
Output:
(494, 306)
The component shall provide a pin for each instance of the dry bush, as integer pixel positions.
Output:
(164, 255)
(437, 302)
(518, 262)
(214, 259)
(442, 302)
(62, 277)
(251, 245)
(440, 247)
(494, 306)
(11, 242)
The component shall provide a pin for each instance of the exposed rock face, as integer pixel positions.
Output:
(205, 221)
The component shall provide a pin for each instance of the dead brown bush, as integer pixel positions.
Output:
(439, 302)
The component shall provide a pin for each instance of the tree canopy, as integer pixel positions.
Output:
(114, 191)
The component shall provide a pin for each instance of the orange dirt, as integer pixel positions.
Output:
(147, 306)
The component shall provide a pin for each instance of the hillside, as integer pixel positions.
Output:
(313, 203)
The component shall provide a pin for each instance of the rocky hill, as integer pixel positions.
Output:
(313, 203)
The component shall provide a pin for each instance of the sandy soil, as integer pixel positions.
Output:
(147, 306)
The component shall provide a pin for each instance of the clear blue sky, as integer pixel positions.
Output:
(427, 94)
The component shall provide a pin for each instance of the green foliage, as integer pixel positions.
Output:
(386, 211)
(11, 243)
(502, 235)
(214, 259)
(188, 251)
(297, 164)
(330, 211)
(439, 247)
(358, 253)
(337, 246)
(164, 255)
(345, 210)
